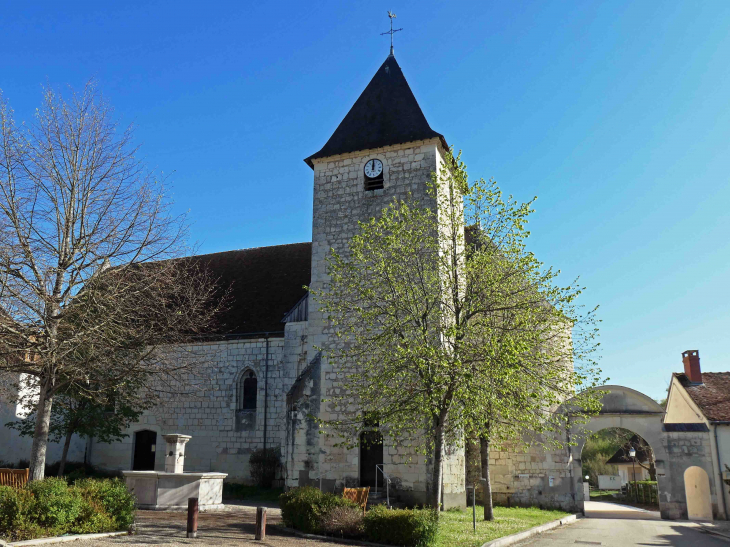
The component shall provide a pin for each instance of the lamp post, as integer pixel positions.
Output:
(632, 455)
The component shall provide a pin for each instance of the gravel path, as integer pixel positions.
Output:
(234, 526)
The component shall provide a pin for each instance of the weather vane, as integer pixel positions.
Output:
(391, 31)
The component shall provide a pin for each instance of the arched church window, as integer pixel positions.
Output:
(247, 391)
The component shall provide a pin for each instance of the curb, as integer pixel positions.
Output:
(64, 539)
(710, 531)
(520, 536)
(329, 538)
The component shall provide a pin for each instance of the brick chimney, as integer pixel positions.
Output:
(691, 360)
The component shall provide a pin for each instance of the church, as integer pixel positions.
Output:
(268, 377)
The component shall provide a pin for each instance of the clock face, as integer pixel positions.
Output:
(373, 168)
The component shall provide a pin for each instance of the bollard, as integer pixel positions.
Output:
(192, 517)
(261, 523)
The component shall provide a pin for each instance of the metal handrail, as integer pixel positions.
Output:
(386, 479)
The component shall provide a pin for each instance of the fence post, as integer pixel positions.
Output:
(192, 517)
(261, 523)
(474, 506)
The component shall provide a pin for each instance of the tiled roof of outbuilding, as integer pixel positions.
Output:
(386, 113)
(264, 282)
(712, 396)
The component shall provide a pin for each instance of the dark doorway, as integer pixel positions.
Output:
(144, 450)
(371, 454)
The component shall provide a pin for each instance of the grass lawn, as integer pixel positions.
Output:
(233, 491)
(455, 527)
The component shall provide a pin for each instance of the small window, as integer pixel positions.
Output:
(247, 391)
(374, 184)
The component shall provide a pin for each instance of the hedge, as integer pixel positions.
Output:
(311, 511)
(303, 508)
(50, 507)
(410, 527)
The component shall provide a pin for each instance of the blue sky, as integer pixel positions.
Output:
(615, 114)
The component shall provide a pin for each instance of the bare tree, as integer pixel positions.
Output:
(89, 298)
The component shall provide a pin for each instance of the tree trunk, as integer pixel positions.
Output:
(40, 436)
(437, 478)
(484, 449)
(64, 454)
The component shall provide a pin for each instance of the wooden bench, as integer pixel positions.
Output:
(17, 478)
(358, 495)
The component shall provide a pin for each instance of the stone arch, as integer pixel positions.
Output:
(628, 409)
(697, 492)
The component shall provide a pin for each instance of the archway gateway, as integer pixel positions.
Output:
(629, 409)
(677, 447)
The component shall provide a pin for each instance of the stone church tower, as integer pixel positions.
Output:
(384, 148)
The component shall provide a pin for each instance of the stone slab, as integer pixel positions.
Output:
(170, 491)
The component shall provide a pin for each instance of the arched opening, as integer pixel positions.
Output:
(247, 391)
(246, 401)
(371, 455)
(697, 491)
(620, 467)
(145, 443)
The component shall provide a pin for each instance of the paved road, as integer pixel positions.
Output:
(605, 510)
(235, 526)
(621, 526)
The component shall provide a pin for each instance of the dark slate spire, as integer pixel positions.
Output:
(386, 113)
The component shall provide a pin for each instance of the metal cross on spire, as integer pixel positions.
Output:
(391, 31)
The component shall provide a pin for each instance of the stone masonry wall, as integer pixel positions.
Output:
(210, 417)
(684, 450)
(526, 476)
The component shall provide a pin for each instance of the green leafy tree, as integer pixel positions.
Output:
(450, 326)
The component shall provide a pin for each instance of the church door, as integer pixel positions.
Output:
(371, 454)
(144, 450)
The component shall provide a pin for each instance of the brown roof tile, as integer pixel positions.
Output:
(264, 283)
(712, 396)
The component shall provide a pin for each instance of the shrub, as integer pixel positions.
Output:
(93, 519)
(11, 508)
(112, 495)
(409, 527)
(55, 505)
(50, 508)
(303, 508)
(341, 521)
(264, 464)
(73, 471)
